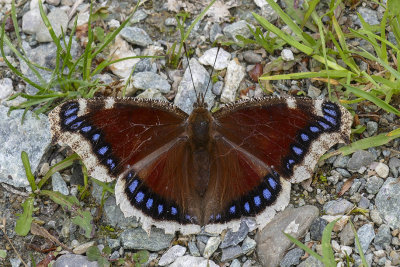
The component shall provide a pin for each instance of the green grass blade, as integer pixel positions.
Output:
(327, 252)
(28, 171)
(307, 75)
(304, 247)
(357, 241)
(24, 221)
(380, 103)
(312, 5)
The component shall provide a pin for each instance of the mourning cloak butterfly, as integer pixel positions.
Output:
(180, 172)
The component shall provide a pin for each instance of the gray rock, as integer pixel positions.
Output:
(248, 245)
(234, 75)
(150, 80)
(382, 170)
(313, 91)
(190, 261)
(375, 217)
(231, 253)
(235, 263)
(292, 258)
(372, 127)
(217, 88)
(194, 251)
(136, 36)
(383, 236)
(365, 234)
(395, 241)
(287, 55)
(341, 161)
(311, 262)
(334, 177)
(15, 262)
(186, 95)
(137, 238)
(152, 94)
(170, 22)
(171, 255)
(373, 184)
(359, 159)
(394, 164)
(316, 228)
(113, 243)
(370, 16)
(387, 202)
(6, 88)
(237, 28)
(215, 32)
(337, 207)
(74, 260)
(234, 238)
(58, 20)
(59, 184)
(269, 13)
(31, 21)
(343, 172)
(346, 236)
(354, 187)
(222, 61)
(251, 57)
(145, 64)
(138, 16)
(33, 137)
(301, 218)
(113, 215)
(364, 203)
(211, 246)
(53, 2)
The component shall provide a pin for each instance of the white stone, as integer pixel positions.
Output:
(234, 75)
(335, 246)
(346, 250)
(382, 170)
(121, 49)
(379, 253)
(31, 21)
(58, 20)
(190, 261)
(287, 55)
(81, 249)
(208, 58)
(171, 255)
(6, 88)
(211, 246)
(261, 3)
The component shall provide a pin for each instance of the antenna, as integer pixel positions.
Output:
(212, 70)
(190, 70)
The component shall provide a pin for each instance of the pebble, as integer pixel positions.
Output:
(346, 250)
(364, 203)
(370, 16)
(33, 137)
(31, 21)
(251, 57)
(137, 238)
(372, 127)
(74, 260)
(58, 184)
(6, 88)
(190, 261)
(234, 238)
(360, 158)
(383, 236)
(365, 234)
(211, 246)
(248, 245)
(150, 80)
(340, 224)
(113, 243)
(292, 258)
(354, 187)
(346, 235)
(235, 263)
(287, 55)
(171, 255)
(387, 202)
(234, 75)
(58, 20)
(199, 78)
(317, 227)
(341, 161)
(194, 251)
(138, 16)
(382, 170)
(335, 246)
(311, 262)
(394, 164)
(339, 206)
(395, 258)
(152, 94)
(136, 36)
(375, 217)
(231, 253)
(237, 28)
(122, 49)
(82, 248)
(313, 91)
(170, 22)
(217, 87)
(215, 32)
(210, 56)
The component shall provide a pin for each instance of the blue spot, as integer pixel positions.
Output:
(96, 137)
(139, 197)
(218, 217)
(149, 203)
(103, 150)
(330, 112)
(330, 119)
(257, 200)
(111, 163)
(272, 183)
(129, 175)
(297, 150)
(247, 206)
(267, 195)
(70, 111)
(211, 217)
(291, 161)
(324, 125)
(304, 137)
(232, 209)
(174, 211)
(160, 209)
(187, 217)
(76, 125)
(86, 129)
(133, 185)
(70, 119)
(314, 129)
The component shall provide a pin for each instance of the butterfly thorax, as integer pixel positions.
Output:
(199, 132)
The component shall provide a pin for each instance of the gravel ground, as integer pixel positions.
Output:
(368, 179)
